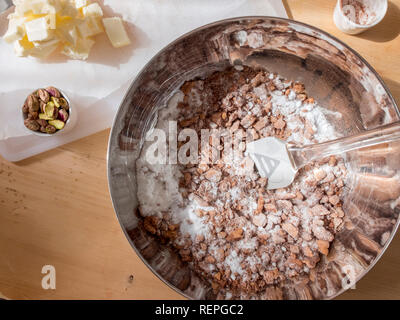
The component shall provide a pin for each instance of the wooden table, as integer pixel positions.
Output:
(55, 208)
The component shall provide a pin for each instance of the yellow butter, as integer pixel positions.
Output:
(43, 49)
(80, 51)
(51, 21)
(62, 20)
(25, 43)
(31, 16)
(19, 50)
(81, 3)
(37, 5)
(16, 31)
(116, 32)
(38, 27)
(68, 35)
(90, 27)
(92, 10)
(37, 30)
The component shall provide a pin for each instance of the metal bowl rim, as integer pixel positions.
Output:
(216, 23)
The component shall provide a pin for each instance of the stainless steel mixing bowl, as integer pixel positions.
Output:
(339, 80)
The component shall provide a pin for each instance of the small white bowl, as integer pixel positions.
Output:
(379, 7)
(67, 125)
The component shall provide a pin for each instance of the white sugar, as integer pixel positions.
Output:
(249, 244)
(190, 223)
(233, 262)
(292, 108)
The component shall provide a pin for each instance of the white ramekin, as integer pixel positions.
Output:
(347, 26)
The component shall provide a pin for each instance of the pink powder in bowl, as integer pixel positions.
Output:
(358, 11)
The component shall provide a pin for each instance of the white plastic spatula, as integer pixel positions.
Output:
(279, 161)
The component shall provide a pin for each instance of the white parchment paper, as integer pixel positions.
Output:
(97, 86)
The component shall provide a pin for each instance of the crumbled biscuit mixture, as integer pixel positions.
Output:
(220, 217)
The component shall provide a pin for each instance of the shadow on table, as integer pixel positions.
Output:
(287, 8)
(388, 29)
(4, 21)
(394, 88)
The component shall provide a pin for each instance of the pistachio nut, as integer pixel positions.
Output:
(44, 116)
(55, 113)
(43, 95)
(50, 129)
(58, 124)
(56, 101)
(42, 122)
(33, 115)
(42, 104)
(64, 104)
(53, 92)
(31, 125)
(49, 109)
(63, 115)
(25, 108)
(33, 103)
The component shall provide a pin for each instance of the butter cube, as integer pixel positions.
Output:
(69, 35)
(12, 35)
(51, 21)
(38, 27)
(46, 44)
(15, 31)
(19, 50)
(38, 5)
(15, 21)
(44, 48)
(22, 7)
(48, 9)
(80, 3)
(66, 9)
(80, 51)
(116, 32)
(37, 30)
(90, 27)
(92, 10)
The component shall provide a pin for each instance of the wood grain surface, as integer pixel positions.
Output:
(55, 208)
